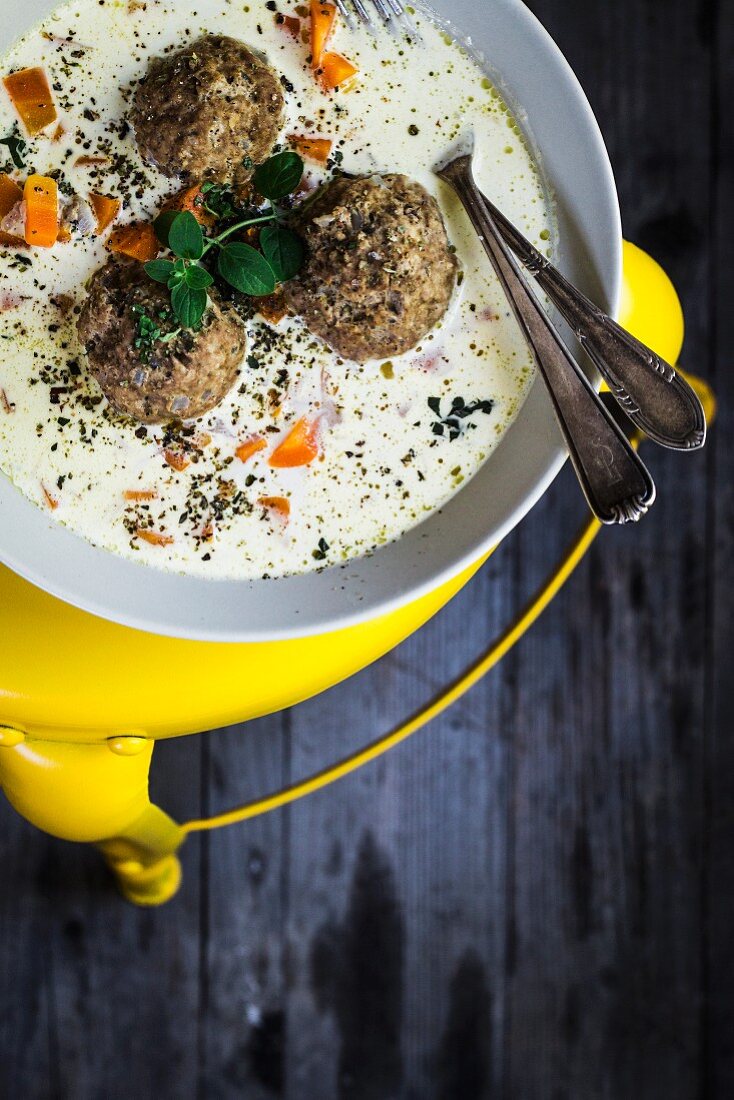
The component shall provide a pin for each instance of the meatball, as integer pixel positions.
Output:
(212, 110)
(141, 375)
(379, 273)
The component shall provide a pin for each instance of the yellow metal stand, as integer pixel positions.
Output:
(88, 783)
(98, 794)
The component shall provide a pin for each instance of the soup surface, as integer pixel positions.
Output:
(391, 447)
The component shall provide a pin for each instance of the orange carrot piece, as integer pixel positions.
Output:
(105, 210)
(334, 71)
(41, 211)
(90, 162)
(155, 538)
(140, 494)
(281, 505)
(32, 99)
(6, 405)
(10, 195)
(312, 148)
(272, 307)
(177, 459)
(323, 18)
(191, 200)
(299, 447)
(7, 240)
(249, 447)
(290, 24)
(137, 241)
(50, 500)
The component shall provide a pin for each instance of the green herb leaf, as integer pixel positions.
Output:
(321, 550)
(189, 304)
(246, 269)
(162, 225)
(16, 148)
(198, 277)
(185, 237)
(278, 176)
(460, 410)
(283, 250)
(219, 200)
(160, 270)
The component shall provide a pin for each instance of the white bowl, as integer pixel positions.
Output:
(540, 87)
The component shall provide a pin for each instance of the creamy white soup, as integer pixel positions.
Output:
(389, 450)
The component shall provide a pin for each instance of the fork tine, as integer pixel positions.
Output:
(345, 12)
(401, 14)
(362, 14)
(383, 10)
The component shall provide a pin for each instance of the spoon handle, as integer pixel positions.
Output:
(651, 392)
(615, 482)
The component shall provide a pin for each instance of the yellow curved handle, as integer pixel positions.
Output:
(99, 792)
(651, 310)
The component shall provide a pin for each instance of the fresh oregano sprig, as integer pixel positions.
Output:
(245, 268)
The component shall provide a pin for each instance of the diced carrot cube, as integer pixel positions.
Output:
(299, 447)
(176, 459)
(105, 210)
(31, 95)
(335, 70)
(312, 148)
(323, 18)
(250, 447)
(41, 197)
(137, 241)
(281, 505)
(192, 200)
(155, 538)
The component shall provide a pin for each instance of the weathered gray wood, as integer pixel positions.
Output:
(606, 998)
(100, 999)
(718, 1006)
(243, 952)
(387, 866)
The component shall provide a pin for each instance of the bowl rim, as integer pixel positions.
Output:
(68, 567)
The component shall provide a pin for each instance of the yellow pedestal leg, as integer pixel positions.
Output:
(97, 793)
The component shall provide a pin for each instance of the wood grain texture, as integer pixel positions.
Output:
(533, 898)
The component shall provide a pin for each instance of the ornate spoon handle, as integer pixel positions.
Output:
(615, 482)
(652, 394)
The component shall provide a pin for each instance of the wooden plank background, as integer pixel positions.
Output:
(533, 897)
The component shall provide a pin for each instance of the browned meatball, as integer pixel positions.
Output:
(212, 110)
(379, 272)
(153, 379)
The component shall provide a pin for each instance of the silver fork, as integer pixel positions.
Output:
(615, 481)
(391, 13)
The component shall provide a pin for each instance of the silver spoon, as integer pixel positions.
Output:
(654, 397)
(614, 479)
